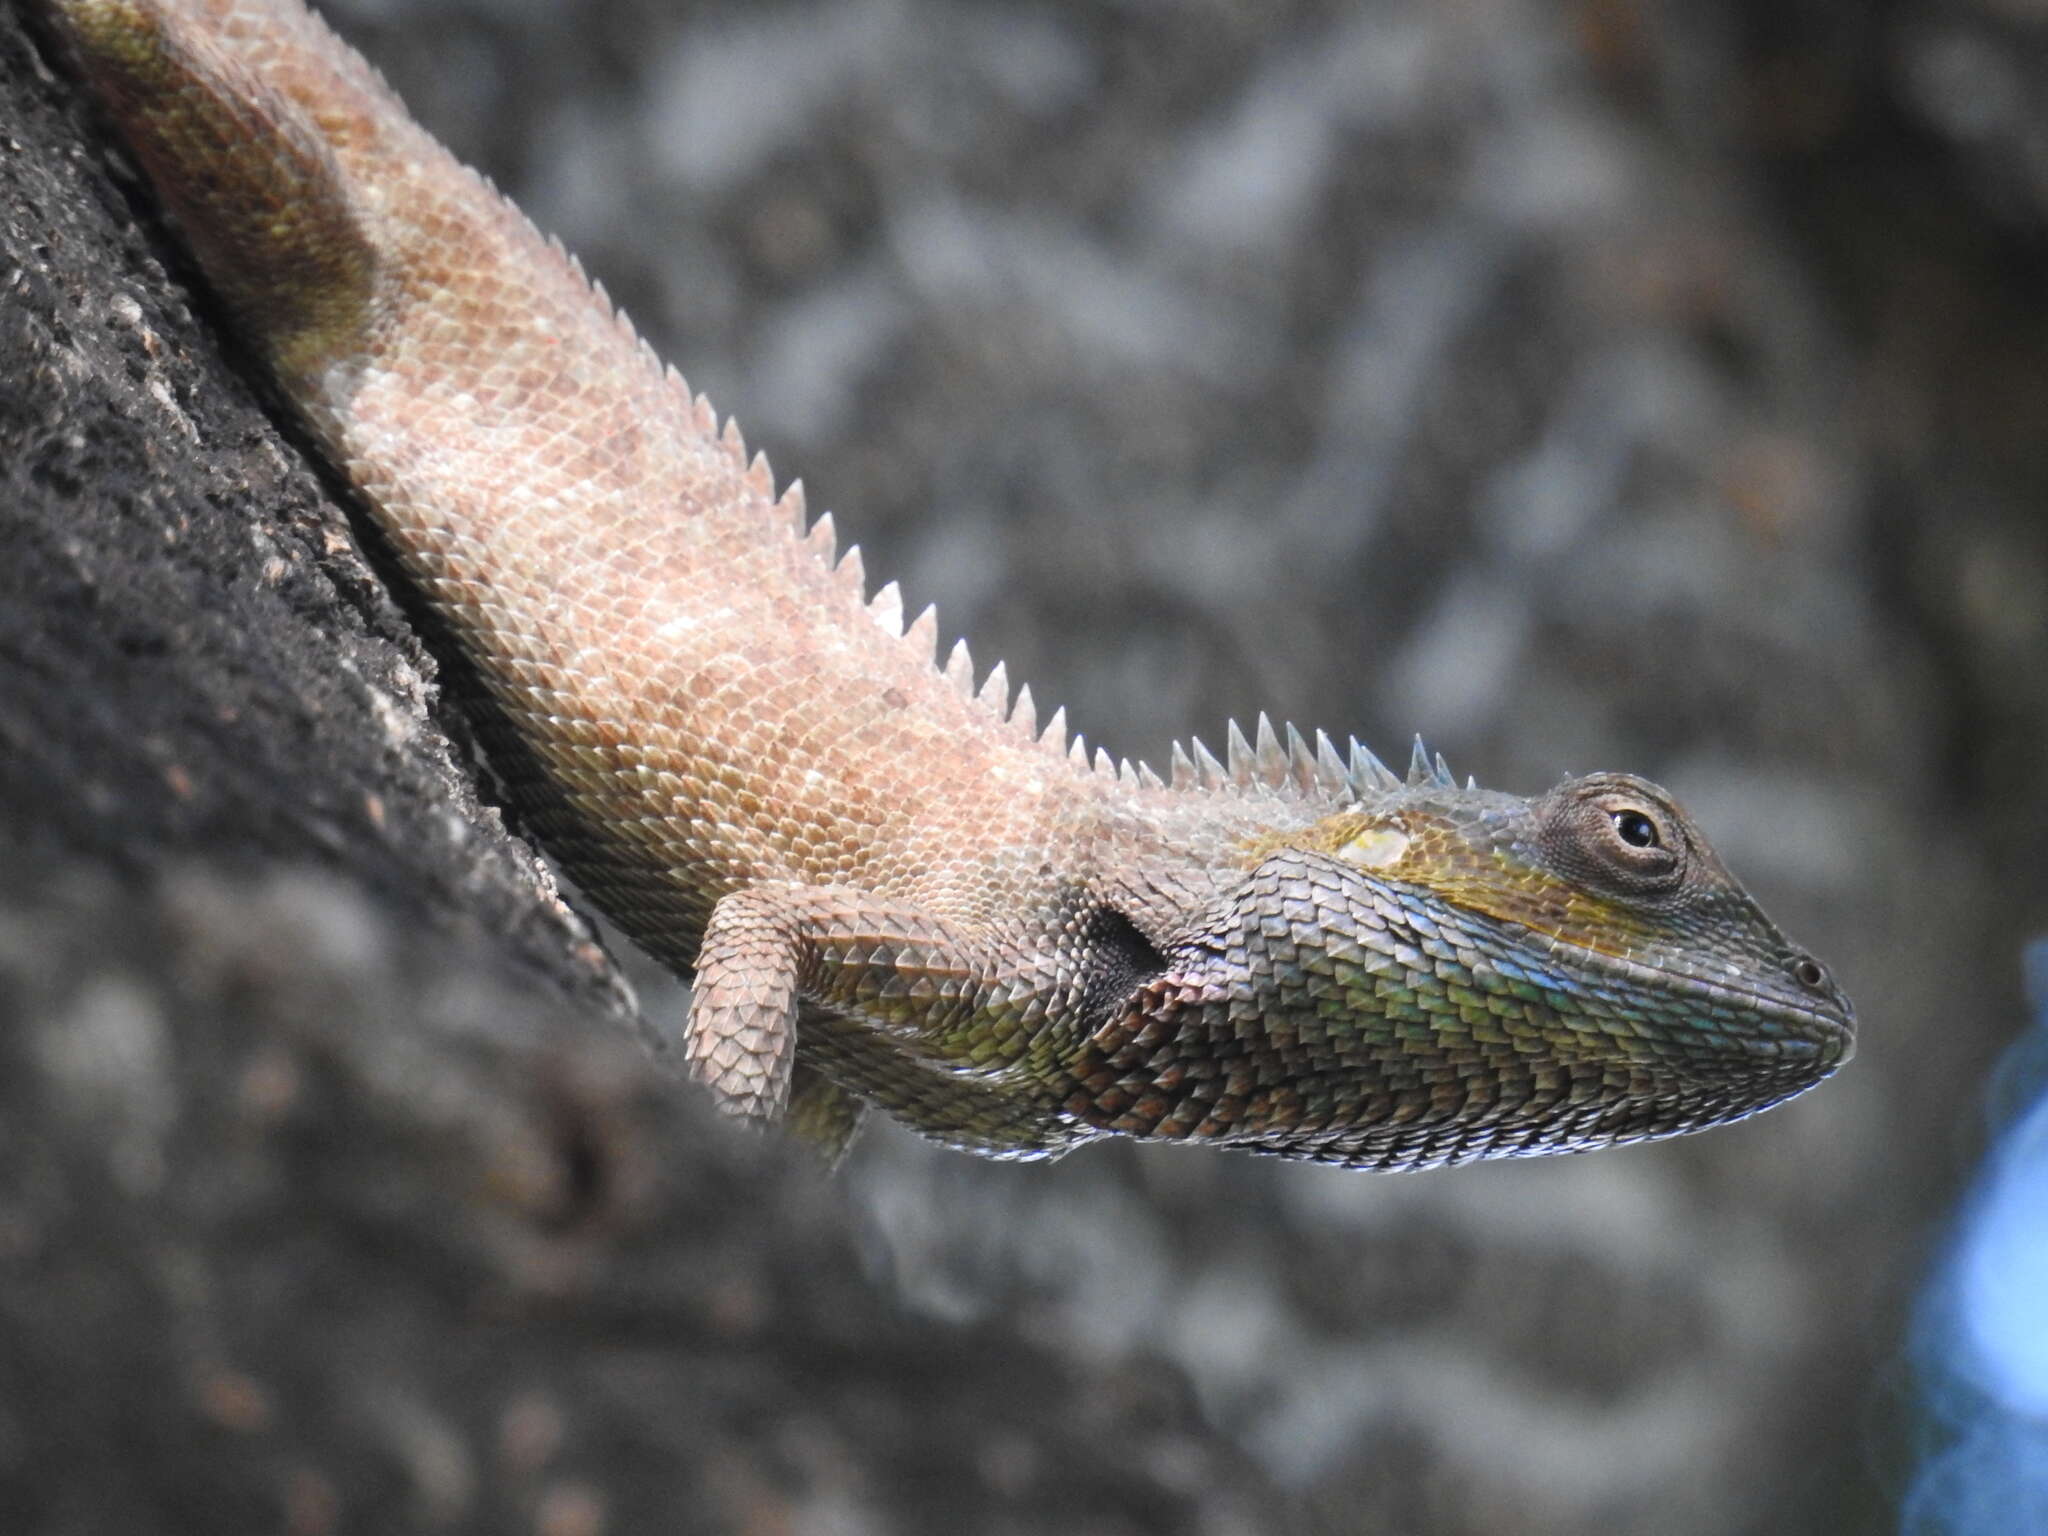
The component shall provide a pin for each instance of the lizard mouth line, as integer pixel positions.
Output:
(1834, 1023)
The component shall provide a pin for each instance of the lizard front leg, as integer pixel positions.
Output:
(771, 949)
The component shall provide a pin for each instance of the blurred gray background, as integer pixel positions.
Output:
(1642, 384)
(1617, 383)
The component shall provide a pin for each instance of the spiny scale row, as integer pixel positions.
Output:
(1266, 761)
(1272, 761)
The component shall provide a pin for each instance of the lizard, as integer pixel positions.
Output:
(891, 886)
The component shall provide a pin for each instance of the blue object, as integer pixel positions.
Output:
(1983, 1330)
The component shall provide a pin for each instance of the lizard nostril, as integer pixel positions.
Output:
(1808, 973)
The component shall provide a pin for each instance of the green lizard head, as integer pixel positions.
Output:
(1433, 974)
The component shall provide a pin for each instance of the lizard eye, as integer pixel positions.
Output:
(1634, 839)
(1617, 839)
(1636, 829)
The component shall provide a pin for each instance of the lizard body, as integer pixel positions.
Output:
(891, 886)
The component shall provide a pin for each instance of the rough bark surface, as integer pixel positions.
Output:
(1613, 384)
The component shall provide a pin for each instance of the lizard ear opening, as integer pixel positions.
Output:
(1115, 960)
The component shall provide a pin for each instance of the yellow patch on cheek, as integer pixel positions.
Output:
(1375, 848)
(1542, 904)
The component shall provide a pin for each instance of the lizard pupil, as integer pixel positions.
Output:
(1635, 829)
